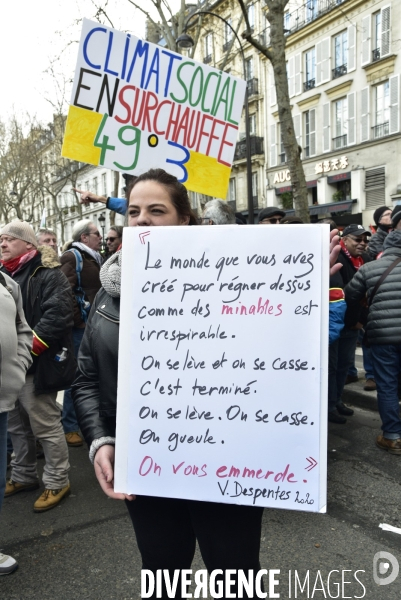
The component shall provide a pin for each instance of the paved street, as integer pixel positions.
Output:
(85, 548)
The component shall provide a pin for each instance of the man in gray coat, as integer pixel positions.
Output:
(384, 330)
(15, 359)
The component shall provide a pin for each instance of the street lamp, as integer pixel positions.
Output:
(102, 221)
(186, 41)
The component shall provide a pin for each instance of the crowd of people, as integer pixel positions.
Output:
(59, 331)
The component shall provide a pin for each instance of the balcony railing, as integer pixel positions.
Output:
(339, 142)
(309, 85)
(375, 54)
(283, 158)
(308, 12)
(380, 130)
(253, 86)
(207, 59)
(339, 71)
(256, 145)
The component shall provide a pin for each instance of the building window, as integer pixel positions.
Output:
(311, 10)
(382, 110)
(95, 188)
(340, 54)
(282, 156)
(228, 34)
(251, 16)
(104, 184)
(377, 35)
(340, 120)
(249, 68)
(375, 187)
(232, 193)
(208, 48)
(287, 21)
(252, 124)
(255, 188)
(307, 134)
(310, 69)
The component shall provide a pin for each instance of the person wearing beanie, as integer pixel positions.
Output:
(48, 307)
(271, 215)
(396, 217)
(382, 219)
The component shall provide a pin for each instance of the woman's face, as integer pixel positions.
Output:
(150, 204)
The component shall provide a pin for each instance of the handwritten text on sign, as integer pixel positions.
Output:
(221, 374)
(136, 105)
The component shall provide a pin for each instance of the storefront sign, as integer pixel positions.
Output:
(331, 165)
(339, 177)
(282, 176)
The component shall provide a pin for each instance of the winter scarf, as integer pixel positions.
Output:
(15, 264)
(85, 248)
(110, 275)
(357, 261)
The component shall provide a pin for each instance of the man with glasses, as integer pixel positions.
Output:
(271, 215)
(114, 239)
(382, 218)
(81, 264)
(341, 352)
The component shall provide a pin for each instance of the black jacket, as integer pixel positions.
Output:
(376, 243)
(384, 319)
(48, 308)
(355, 313)
(95, 389)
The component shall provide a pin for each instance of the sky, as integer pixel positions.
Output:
(35, 34)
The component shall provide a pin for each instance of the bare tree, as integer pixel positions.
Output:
(275, 52)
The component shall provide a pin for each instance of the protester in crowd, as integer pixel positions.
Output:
(81, 264)
(47, 237)
(165, 528)
(48, 308)
(380, 280)
(291, 221)
(382, 218)
(15, 359)
(342, 351)
(271, 215)
(217, 212)
(114, 238)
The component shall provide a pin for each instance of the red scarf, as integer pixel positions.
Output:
(357, 261)
(15, 264)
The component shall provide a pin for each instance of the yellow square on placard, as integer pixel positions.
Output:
(207, 176)
(79, 136)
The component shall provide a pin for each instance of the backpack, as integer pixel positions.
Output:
(83, 305)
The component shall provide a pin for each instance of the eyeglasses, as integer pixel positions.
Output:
(111, 239)
(271, 220)
(359, 240)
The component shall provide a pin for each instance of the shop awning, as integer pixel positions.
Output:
(332, 207)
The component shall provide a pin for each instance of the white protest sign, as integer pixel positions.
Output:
(136, 105)
(222, 392)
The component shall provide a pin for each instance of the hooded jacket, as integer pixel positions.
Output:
(384, 318)
(15, 343)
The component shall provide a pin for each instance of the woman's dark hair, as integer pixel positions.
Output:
(178, 192)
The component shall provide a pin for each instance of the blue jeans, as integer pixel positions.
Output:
(69, 418)
(341, 357)
(367, 362)
(387, 366)
(3, 454)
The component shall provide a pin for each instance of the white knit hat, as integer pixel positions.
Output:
(20, 230)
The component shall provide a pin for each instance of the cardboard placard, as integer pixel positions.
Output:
(136, 105)
(222, 391)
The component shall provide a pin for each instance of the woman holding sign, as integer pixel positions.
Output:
(166, 528)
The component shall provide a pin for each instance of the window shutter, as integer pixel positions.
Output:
(297, 129)
(365, 114)
(351, 119)
(273, 95)
(326, 127)
(394, 104)
(375, 187)
(385, 21)
(351, 48)
(273, 147)
(318, 63)
(365, 40)
(325, 64)
(312, 132)
(291, 78)
(298, 75)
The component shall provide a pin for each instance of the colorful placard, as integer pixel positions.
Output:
(222, 385)
(136, 105)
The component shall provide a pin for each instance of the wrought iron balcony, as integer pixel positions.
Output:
(253, 86)
(339, 142)
(207, 59)
(308, 12)
(309, 85)
(381, 130)
(375, 54)
(256, 145)
(339, 71)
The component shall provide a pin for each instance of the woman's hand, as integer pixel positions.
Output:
(334, 251)
(104, 470)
